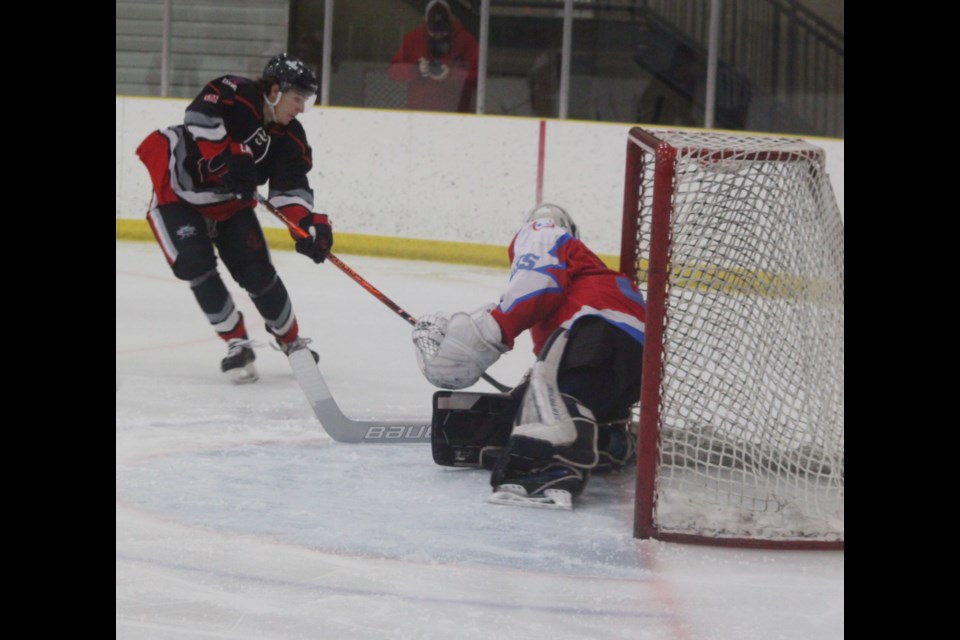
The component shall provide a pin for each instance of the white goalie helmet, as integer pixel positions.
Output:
(559, 216)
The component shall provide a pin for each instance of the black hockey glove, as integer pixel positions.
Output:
(318, 243)
(241, 175)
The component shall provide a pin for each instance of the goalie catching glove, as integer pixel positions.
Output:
(453, 353)
(317, 244)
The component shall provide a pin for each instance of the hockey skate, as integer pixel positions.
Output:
(297, 344)
(535, 473)
(238, 365)
(551, 487)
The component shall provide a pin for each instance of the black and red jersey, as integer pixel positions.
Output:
(187, 161)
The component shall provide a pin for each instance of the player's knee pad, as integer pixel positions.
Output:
(194, 262)
(256, 278)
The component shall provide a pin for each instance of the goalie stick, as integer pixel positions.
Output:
(356, 277)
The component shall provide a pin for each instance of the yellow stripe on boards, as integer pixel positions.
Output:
(485, 255)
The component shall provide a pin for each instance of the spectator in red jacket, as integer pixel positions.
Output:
(438, 62)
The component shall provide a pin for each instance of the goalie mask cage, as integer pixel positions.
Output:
(740, 243)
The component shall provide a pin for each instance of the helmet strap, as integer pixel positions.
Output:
(271, 114)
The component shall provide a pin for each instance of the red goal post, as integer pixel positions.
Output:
(738, 242)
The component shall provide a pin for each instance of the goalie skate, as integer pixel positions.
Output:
(552, 487)
(516, 495)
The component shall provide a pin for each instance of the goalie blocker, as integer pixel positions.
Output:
(472, 429)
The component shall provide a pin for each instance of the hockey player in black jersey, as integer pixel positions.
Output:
(237, 134)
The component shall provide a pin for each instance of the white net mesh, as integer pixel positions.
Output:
(751, 396)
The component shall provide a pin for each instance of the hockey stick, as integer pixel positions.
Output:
(396, 309)
(340, 427)
(361, 281)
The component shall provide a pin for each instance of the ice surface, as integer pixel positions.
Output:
(237, 517)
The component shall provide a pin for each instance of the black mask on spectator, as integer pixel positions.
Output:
(439, 26)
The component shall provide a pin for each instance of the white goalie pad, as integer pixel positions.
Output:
(545, 413)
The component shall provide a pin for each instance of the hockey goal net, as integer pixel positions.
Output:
(739, 242)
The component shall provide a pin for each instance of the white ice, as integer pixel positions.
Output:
(237, 517)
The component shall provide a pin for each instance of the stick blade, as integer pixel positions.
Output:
(337, 425)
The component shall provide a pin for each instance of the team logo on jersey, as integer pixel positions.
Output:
(186, 231)
(211, 97)
(259, 138)
(230, 84)
(525, 262)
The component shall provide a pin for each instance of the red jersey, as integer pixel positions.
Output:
(555, 280)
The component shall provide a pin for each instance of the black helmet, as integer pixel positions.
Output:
(290, 72)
